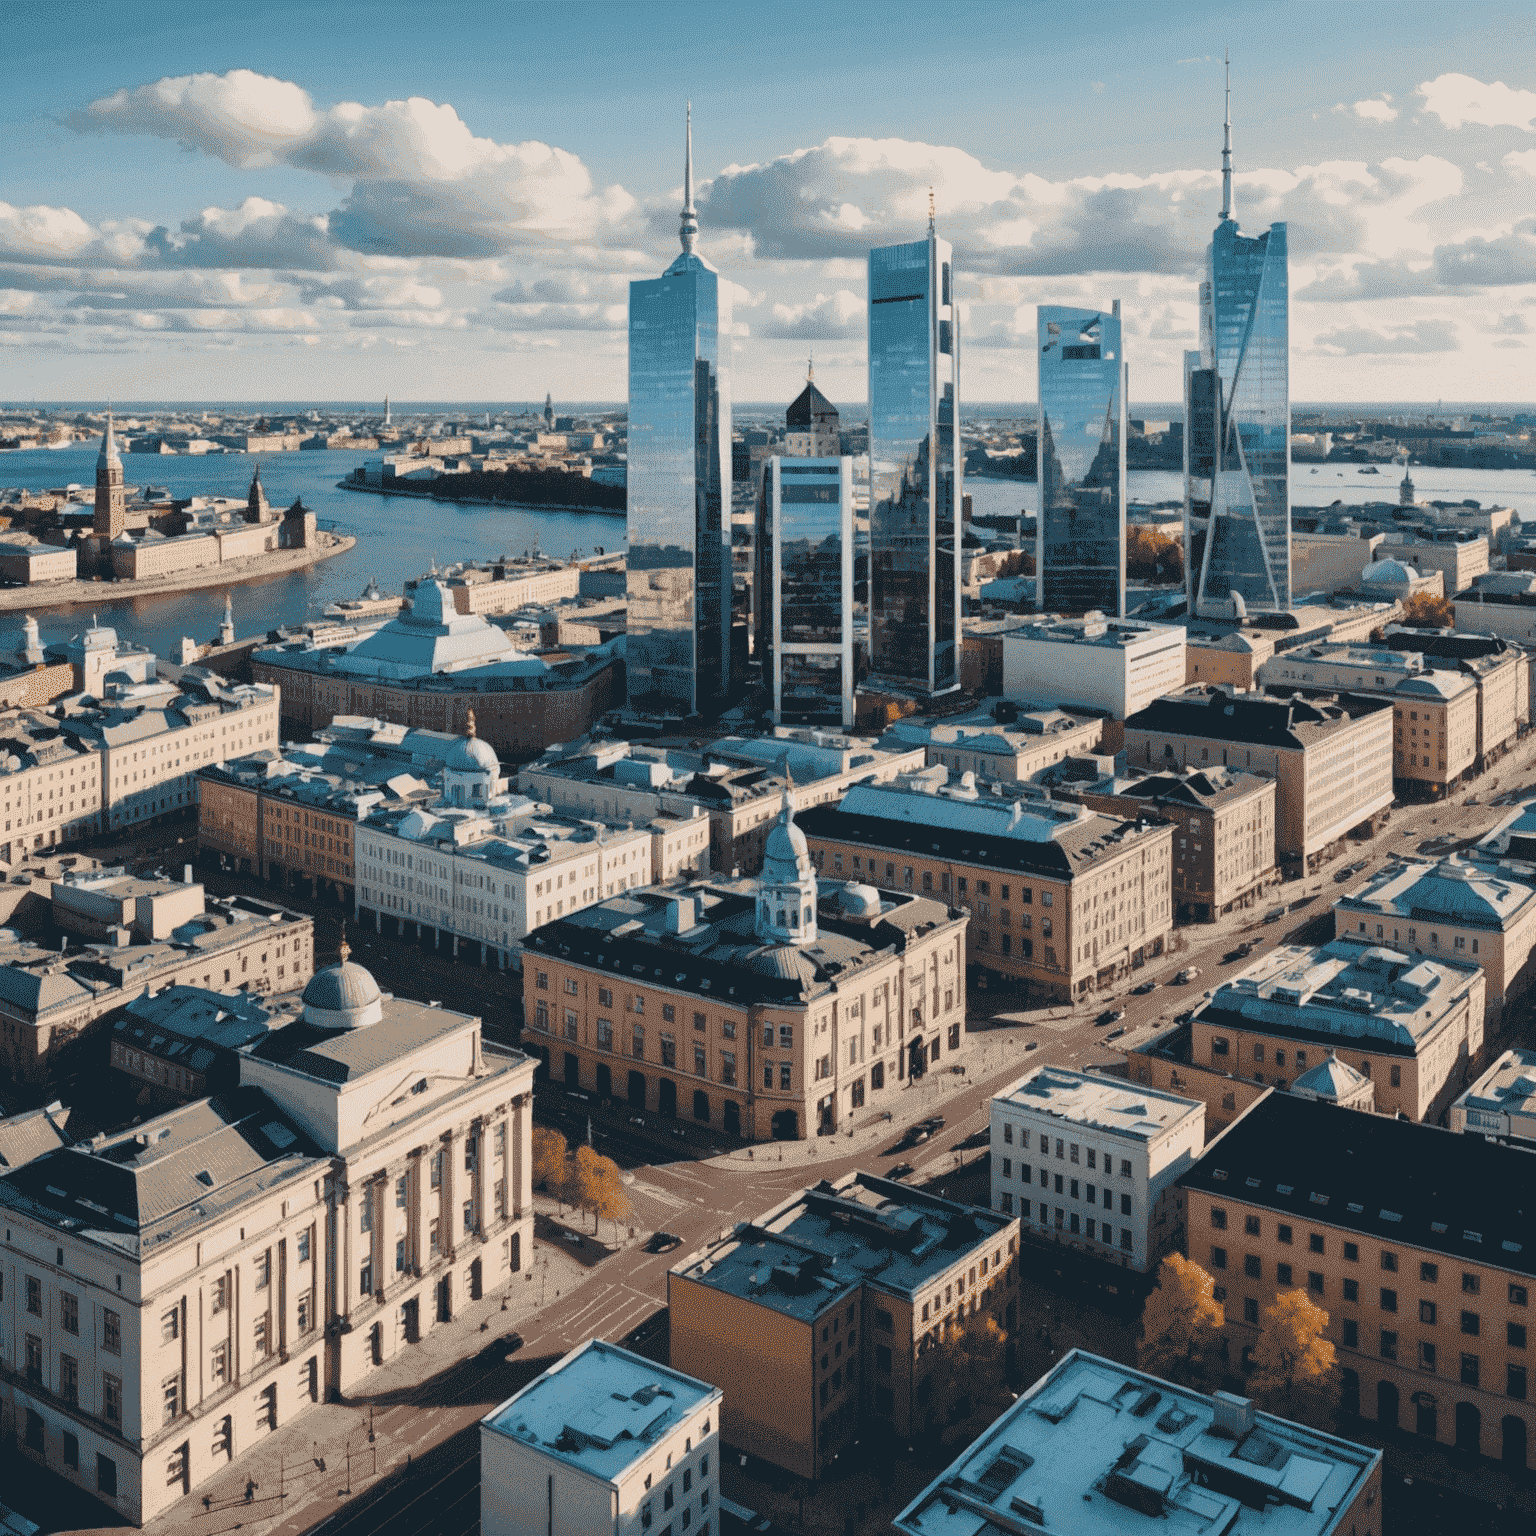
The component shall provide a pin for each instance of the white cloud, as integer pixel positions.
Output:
(827, 317)
(41, 233)
(1374, 110)
(1459, 99)
(1421, 336)
(1521, 162)
(1502, 259)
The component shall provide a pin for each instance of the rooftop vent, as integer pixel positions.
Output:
(1235, 1416)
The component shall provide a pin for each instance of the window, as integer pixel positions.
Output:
(1352, 1252)
(170, 1399)
(1315, 1242)
(1389, 1260)
(1388, 1300)
(1518, 1296)
(69, 1313)
(786, 1037)
(111, 1333)
(263, 1271)
(1388, 1344)
(1470, 1285)
(785, 1076)
(1251, 1226)
(1283, 1274)
(435, 1177)
(112, 1399)
(1427, 1312)
(34, 1296)
(1428, 1360)
(1429, 1273)
(1470, 1370)
(304, 1246)
(571, 989)
(218, 1365)
(1471, 1323)
(1250, 1310)
(106, 1468)
(1351, 1333)
(1514, 1382)
(1251, 1266)
(1283, 1233)
(1352, 1290)
(1515, 1335)
(1315, 1281)
(1218, 1258)
(1218, 1218)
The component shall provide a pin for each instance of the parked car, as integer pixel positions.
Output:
(932, 1123)
(1144, 988)
(1110, 1016)
(663, 1242)
(1114, 1034)
(900, 1171)
(1032, 1045)
(1187, 975)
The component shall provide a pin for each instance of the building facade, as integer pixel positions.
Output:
(1107, 1188)
(828, 1317)
(1080, 538)
(1404, 1234)
(1005, 745)
(772, 1007)
(1118, 666)
(603, 1441)
(678, 646)
(1058, 896)
(916, 472)
(1501, 1104)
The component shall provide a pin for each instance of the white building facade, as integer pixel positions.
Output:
(1091, 1162)
(1116, 665)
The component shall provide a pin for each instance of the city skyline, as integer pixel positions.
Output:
(206, 208)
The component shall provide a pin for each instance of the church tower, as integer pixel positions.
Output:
(256, 508)
(111, 504)
(1406, 495)
(549, 412)
(786, 891)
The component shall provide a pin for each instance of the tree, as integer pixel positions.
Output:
(970, 1376)
(1426, 611)
(1295, 1369)
(610, 1198)
(1179, 1322)
(1151, 555)
(549, 1156)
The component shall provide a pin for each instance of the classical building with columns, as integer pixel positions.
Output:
(176, 1292)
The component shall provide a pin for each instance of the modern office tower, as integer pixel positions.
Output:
(1080, 542)
(1237, 400)
(679, 585)
(914, 473)
(807, 522)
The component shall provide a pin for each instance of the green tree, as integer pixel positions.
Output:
(1296, 1370)
(549, 1157)
(1180, 1323)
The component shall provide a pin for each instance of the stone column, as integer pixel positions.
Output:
(520, 1183)
(376, 1193)
(448, 1196)
(416, 1242)
(481, 1182)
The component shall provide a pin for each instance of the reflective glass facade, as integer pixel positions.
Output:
(1245, 343)
(1080, 543)
(808, 512)
(915, 478)
(677, 654)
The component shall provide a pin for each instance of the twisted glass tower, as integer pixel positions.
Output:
(677, 650)
(1080, 538)
(1238, 417)
(914, 475)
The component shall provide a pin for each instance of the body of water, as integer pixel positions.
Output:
(398, 537)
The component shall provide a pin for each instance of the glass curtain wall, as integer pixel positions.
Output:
(1080, 542)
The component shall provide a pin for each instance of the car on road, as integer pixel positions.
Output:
(573, 1237)
(1187, 975)
(1033, 1045)
(932, 1123)
(900, 1171)
(1114, 1034)
(913, 1136)
(1109, 1016)
(663, 1242)
(1143, 989)
(1241, 952)
(496, 1352)
(637, 1119)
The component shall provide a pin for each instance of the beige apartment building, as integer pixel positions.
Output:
(1413, 1026)
(1406, 1236)
(1435, 726)
(1331, 758)
(1007, 744)
(50, 786)
(772, 1007)
(1473, 909)
(826, 1317)
(1059, 896)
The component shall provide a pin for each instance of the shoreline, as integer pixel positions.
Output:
(480, 501)
(44, 598)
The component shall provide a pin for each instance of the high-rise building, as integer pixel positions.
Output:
(915, 478)
(1080, 543)
(679, 585)
(812, 424)
(111, 502)
(808, 597)
(1238, 417)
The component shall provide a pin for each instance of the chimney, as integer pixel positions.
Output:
(1234, 1415)
(186, 874)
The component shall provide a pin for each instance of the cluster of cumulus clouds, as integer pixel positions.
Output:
(436, 231)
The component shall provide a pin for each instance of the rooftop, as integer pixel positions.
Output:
(1093, 629)
(1412, 1186)
(1507, 1088)
(346, 1055)
(31, 1133)
(1470, 891)
(600, 1408)
(1097, 1447)
(191, 1024)
(982, 731)
(1135, 1112)
(1343, 990)
(1256, 718)
(808, 1253)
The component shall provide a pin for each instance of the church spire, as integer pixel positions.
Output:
(1226, 145)
(688, 233)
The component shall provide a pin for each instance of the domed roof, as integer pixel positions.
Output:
(471, 755)
(343, 996)
(786, 855)
(1388, 570)
(859, 900)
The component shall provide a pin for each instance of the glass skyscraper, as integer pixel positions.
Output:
(677, 649)
(808, 523)
(1080, 538)
(1238, 417)
(914, 476)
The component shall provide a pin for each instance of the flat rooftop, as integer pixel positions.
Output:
(1508, 1087)
(1100, 1449)
(1115, 634)
(1106, 1104)
(834, 1237)
(600, 1408)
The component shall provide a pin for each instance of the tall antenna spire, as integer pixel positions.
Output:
(1226, 144)
(932, 210)
(689, 232)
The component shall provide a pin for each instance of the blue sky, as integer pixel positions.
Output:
(448, 201)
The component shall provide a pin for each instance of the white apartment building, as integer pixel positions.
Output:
(50, 786)
(485, 867)
(152, 738)
(175, 1293)
(1091, 1161)
(604, 1441)
(1115, 665)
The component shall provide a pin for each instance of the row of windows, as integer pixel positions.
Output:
(1070, 1221)
(1070, 1151)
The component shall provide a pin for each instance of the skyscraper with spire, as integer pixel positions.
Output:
(677, 648)
(915, 478)
(1237, 425)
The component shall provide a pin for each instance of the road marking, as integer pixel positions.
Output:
(664, 1196)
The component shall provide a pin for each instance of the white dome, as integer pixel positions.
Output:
(471, 755)
(343, 996)
(860, 900)
(786, 854)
